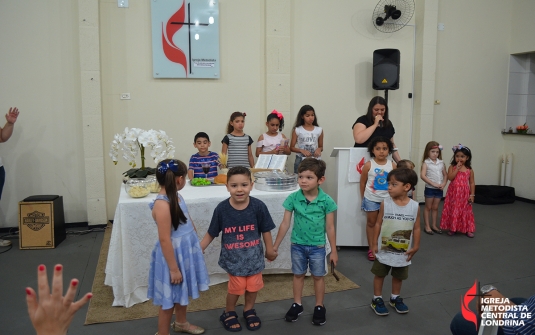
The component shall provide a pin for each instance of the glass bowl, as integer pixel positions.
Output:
(275, 181)
(137, 187)
(154, 187)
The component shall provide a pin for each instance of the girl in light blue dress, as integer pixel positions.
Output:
(177, 267)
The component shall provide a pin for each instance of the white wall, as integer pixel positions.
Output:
(471, 82)
(331, 70)
(181, 107)
(40, 75)
(522, 148)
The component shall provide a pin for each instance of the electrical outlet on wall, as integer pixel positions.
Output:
(125, 96)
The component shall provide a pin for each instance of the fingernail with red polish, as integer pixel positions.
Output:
(90, 295)
(41, 267)
(28, 291)
(59, 267)
(74, 282)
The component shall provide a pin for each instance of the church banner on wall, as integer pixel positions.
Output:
(185, 38)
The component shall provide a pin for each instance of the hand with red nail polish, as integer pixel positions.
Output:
(53, 313)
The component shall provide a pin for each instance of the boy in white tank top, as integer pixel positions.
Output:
(396, 239)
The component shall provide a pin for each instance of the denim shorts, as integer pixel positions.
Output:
(433, 193)
(370, 206)
(304, 256)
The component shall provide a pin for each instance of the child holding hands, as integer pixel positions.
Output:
(243, 222)
(314, 216)
(396, 239)
(177, 268)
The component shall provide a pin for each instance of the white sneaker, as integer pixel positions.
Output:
(5, 243)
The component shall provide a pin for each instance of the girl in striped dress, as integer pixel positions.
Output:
(237, 144)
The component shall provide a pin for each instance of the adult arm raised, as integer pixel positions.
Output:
(7, 130)
(361, 134)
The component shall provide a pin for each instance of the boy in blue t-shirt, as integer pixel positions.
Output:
(243, 221)
(314, 216)
(202, 143)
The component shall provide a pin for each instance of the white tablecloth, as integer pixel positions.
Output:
(134, 235)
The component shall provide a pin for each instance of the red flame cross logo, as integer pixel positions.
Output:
(467, 313)
(360, 165)
(170, 49)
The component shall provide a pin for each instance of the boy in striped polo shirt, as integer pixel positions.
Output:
(202, 143)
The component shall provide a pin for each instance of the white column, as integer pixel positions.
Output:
(88, 15)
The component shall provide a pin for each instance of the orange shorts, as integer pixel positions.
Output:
(238, 285)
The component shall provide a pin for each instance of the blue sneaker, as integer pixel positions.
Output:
(398, 304)
(378, 306)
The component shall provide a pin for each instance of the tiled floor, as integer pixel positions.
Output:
(443, 269)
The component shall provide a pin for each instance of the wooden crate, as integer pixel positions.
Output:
(41, 222)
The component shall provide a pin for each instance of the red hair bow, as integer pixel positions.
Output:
(279, 115)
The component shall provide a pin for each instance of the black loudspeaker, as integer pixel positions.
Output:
(386, 69)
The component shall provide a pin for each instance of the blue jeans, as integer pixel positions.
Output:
(298, 160)
(304, 256)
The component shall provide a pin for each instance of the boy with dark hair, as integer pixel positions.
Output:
(314, 216)
(243, 222)
(396, 239)
(204, 157)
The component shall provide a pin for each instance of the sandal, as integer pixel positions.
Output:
(186, 328)
(429, 232)
(469, 234)
(230, 319)
(251, 318)
(371, 256)
(438, 231)
(451, 233)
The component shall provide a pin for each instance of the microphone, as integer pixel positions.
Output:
(381, 123)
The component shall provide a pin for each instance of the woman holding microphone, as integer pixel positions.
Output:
(375, 123)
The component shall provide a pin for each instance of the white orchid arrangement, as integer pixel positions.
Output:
(134, 141)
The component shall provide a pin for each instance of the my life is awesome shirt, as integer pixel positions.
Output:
(242, 253)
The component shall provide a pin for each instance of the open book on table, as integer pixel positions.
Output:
(277, 162)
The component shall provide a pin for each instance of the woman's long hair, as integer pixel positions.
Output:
(378, 101)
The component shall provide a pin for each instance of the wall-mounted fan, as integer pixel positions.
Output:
(392, 15)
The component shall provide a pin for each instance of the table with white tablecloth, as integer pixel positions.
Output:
(135, 233)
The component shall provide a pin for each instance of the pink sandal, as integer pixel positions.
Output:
(371, 256)
(470, 234)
